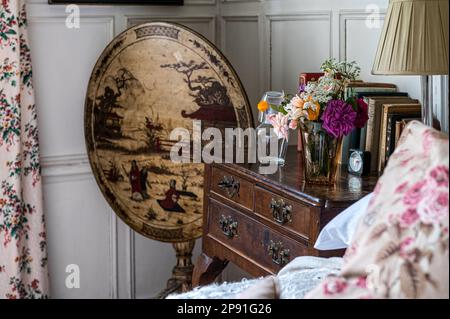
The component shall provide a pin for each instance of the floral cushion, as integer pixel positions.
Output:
(401, 247)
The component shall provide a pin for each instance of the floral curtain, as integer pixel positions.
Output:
(23, 251)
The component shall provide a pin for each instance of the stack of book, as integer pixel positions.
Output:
(392, 113)
(386, 107)
(369, 88)
(389, 111)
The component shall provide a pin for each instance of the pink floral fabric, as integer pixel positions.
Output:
(23, 251)
(401, 247)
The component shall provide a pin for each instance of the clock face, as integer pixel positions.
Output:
(355, 162)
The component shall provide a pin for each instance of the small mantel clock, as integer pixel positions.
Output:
(359, 162)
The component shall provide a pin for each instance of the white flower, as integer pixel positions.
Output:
(297, 113)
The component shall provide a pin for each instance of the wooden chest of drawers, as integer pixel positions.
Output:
(261, 222)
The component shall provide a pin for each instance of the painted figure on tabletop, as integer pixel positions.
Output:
(135, 182)
(170, 202)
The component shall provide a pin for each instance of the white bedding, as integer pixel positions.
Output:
(295, 280)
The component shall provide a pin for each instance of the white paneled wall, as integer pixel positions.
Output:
(360, 44)
(239, 39)
(269, 42)
(64, 59)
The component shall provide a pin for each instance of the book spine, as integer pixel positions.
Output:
(372, 84)
(370, 136)
(376, 134)
(381, 93)
(304, 78)
(345, 150)
(388, 148)
(382, 141)
(398, 131)
(355, 136)
(359, 89)
(362, 139)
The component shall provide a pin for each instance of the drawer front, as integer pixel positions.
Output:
(278, 209)
(232, 187)
(278, 250)
(252, 239)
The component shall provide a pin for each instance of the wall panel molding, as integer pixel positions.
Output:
(92, 19)
(351, 15)
(113, 256)
(65, 168)
(60, 82)
(64, 160)
(240, 40)
(359, 41)
(233, 18)
(325, 15)
(131, 257)
(75, 167)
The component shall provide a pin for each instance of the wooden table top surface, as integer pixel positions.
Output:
(289, 178)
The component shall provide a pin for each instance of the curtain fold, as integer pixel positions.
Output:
(23, 246)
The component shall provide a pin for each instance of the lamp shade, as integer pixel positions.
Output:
(414, 40)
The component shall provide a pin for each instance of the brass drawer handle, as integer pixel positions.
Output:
(279, 255)
(228, 226)
(281, 211)
(230, 185)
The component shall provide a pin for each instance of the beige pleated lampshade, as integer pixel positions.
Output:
(414, 40)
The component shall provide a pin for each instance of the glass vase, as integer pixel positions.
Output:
(271, 148)
(266, 134)
(321, 153)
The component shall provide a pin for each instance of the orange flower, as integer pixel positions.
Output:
(263, 106)
(313, 111)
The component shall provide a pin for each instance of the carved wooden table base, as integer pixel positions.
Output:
(181, 280)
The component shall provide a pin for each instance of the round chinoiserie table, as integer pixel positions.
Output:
(150, 81)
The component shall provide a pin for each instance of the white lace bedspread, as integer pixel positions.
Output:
(295, 279)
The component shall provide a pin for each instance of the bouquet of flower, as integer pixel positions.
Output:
(324, 102)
